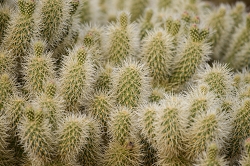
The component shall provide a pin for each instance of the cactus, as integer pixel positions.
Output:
(123, 155)
(34, 131)
(5, 15)
(92, 152)
(211, 157)
(146, 24)
(131, 84)
(6, 62)
(240, 130)
(122, 39)
(38, 69)
(72, 137)
(21, 29)
(6, 157)
(53, 17)
(103, 81)
(156, 95)
(7, 88)
(199, 102)
(218, 78)
(84, 83)
(156, 52)
(240, 38)
(137, 8)
(170, 127)
(245, 161)
(75, 78)
(194, 53)
(207, 128)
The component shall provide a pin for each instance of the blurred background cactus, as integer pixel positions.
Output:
(124, 83)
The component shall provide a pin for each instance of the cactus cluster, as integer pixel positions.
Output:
(124, 83)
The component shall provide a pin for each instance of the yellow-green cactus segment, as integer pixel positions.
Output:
(147, 25)
(26, 7)
(192, 56)
(7, 88)
(5, 14)
(137, 8)
(156, 52)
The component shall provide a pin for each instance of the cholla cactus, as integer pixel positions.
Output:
(245, 161)
(170, 127)
(192, 54)
(72, 137)
(240, 38)
(137, 8)
(240, 129)
(207, 128)
(38, 68)
(53, 16)
(211, 157)
(7, 88)
(98, 93)
(5, 15)
(23, 25)
(146, 24)
(75, 78)
(131, 84)
(156, 52)
(5, 155)
(34, 131)
(123, 39)
(218, 78)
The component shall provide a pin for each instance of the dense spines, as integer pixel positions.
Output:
(123, 39)
(240, 130)
(240, 38)
(84, 11)
(198, 102)
(5, 155)
(156, 95)
(72, 135)
(5, 16)
(220, 22)
(52, 109)
(38, 68)
(218, 78)
(245, 160)
(137, 8)
(100, 106)
(146, 23)
(7, 88)
(208, 127)
(15, 111)
(211, 157)
(131, 84)
(147, 117)
(192, 54)
(6, 62)
(91, 154)
(76, 76)
(21, 30)
(104, 81)
(36, 131)
(169, 127)
(123, 155)
(26, 7)
(53, 17)
(157, 54)
(122, 125)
